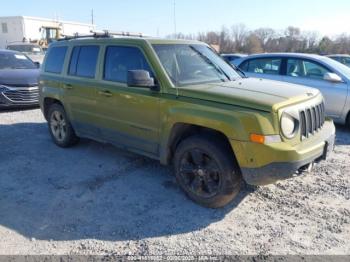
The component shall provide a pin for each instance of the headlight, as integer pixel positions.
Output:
(289, 125)
(3, 88)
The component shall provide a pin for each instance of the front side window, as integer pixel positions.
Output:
(305, 68)
(55, 59)
(120, 59)
(83, 61)
(263, 66)
(15, 61)
(193, 64)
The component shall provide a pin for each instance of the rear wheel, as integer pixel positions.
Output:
(348, 121)
(60, 128)
(206, 171)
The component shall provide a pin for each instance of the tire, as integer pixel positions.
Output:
(60, 128)
(206, 170)
(348, 121)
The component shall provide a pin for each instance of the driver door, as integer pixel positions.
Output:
(128, 116)
(310, 73)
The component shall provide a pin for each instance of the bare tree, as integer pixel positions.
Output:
(239, 39)
(239, 35)
(225, 42)
(253, 45)
(265, 35)
(326, 45)
(312, 40)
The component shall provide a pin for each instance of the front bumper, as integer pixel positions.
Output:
(19, 96)
(281, 161)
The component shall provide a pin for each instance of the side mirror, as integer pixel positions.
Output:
(140, 78)
(37, 64)
(331, 77)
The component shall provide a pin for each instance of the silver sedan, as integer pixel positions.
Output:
(329, 76)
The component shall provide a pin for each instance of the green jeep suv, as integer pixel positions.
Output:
(178, 102)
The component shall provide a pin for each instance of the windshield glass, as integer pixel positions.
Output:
(343, 69)
(35, 49)
(194, 64)
(15, 61)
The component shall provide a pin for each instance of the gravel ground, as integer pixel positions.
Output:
(96, 199)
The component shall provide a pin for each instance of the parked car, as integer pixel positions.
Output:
(329, 76)
(178, 102)
(344, 59)
(232, 57)
(18, 80)
(33, 51)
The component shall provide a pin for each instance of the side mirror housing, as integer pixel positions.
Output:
(140, 78)
(332, 77)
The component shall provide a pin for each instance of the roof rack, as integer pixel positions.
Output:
(101, 34)
(122, 33)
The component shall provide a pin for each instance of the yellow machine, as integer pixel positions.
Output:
(48, 34)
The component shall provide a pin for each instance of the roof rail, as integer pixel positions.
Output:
(122, 33)
(101, 34)
(77, 36)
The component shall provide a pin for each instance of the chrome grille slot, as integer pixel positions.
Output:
(311, 120)
(22, 95)
(303, 124)
(308, 122)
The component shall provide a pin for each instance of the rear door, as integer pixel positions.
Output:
(128, 116)
(80, 88)
(267, 67)
(311, 73)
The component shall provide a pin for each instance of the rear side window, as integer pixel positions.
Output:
(120, 59)
(263, 66)
(55, 59)
(83, 61)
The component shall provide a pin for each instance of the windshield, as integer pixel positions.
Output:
(343, 69)
(194, 64)
(15, 61)
(35, 49)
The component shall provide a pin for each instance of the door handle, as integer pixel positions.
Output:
(67, 86)
(105, 93)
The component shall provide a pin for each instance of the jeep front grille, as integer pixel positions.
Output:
(312, 120)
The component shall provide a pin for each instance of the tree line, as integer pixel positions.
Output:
(239, 39)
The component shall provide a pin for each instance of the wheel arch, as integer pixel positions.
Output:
(181, 131)
(347, 120)
(47, 102)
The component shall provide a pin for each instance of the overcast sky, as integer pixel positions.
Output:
(156, 17)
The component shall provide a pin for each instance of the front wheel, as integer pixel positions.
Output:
(207, 172)
(60, 128)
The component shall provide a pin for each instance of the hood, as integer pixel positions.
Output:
(262, 94)
(20, 77)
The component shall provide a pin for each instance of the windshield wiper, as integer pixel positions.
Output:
(238, 69)
(217, 68)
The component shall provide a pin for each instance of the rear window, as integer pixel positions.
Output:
(55, 59)
(84, 61)
(262, 66)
